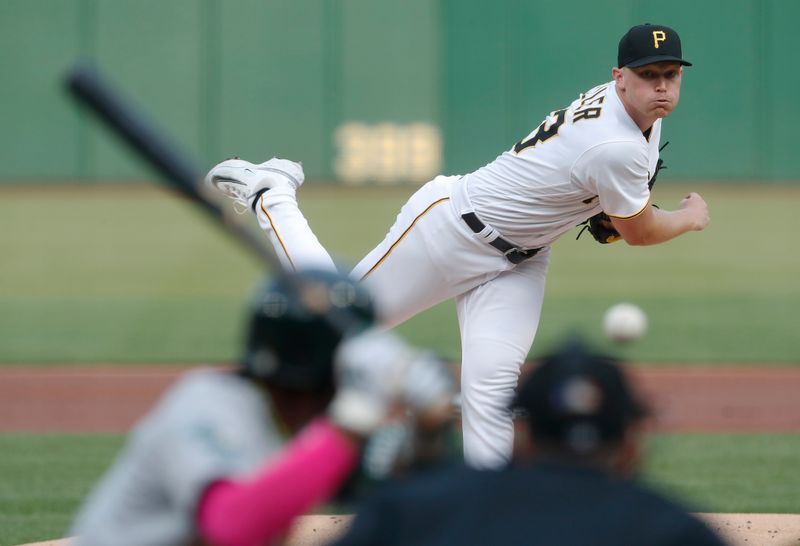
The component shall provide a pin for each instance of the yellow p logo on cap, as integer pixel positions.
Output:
(659, 36)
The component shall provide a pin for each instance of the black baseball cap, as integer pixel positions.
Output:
(645, 44)
(578, 400)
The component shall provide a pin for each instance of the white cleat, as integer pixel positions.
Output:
(243, 181)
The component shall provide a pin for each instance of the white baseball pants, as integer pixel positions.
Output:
(428, 256)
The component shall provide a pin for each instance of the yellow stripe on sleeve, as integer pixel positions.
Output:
(634, 215)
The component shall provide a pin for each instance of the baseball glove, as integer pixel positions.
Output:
(600, 226)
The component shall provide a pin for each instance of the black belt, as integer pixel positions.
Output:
(513, 254)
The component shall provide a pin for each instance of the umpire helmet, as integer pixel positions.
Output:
(295, 325)
(578, 399)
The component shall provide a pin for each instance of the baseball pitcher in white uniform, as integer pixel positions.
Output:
(484, 238)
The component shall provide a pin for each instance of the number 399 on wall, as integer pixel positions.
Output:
(387, 153)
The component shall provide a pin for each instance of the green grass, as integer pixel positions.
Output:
(43, 478)
(93, 274)
(728, 472)
(127, 274)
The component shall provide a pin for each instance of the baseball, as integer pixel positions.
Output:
(624, 322)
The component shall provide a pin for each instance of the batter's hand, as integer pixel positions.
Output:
(379, 374)
(698, 209)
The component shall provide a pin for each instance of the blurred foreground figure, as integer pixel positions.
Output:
(570, 485)
(211, 464)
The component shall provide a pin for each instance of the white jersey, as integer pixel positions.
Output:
(583, 159)
(210, 425)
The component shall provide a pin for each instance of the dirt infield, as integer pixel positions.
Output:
(736, 529)
(719, 399)
(112, 398)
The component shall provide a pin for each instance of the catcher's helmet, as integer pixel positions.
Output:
(296, 324)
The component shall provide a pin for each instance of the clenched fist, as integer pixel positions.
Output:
(698, 208)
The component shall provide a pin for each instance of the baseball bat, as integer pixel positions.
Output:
(89, 88)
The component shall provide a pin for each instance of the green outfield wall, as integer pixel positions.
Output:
(378, 91)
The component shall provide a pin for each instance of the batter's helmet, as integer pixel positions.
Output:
(296, 324)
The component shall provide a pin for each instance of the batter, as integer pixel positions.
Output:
(232, 457)
(484, 238)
